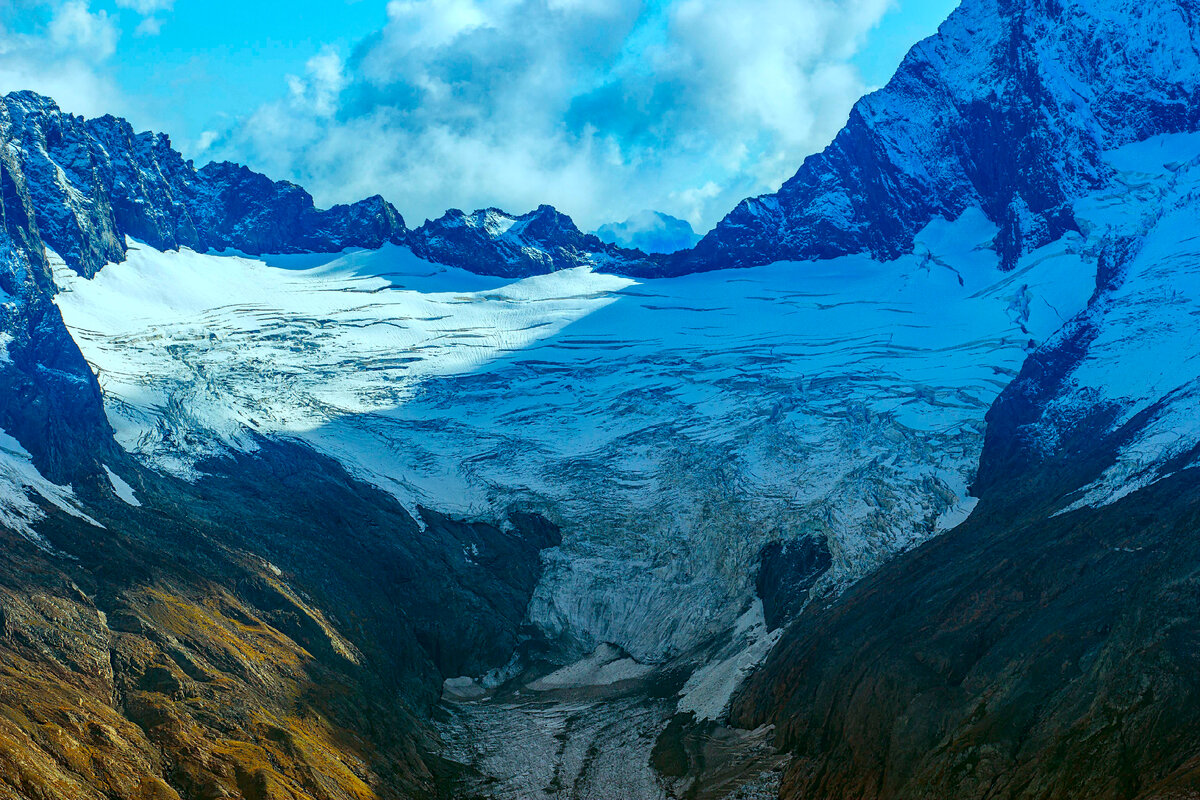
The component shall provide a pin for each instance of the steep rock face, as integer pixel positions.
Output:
(69, 198)
(1115, 390)
(1043, 649)
(493, 242)
(240, 209)
(276, 630)
(51, 401)
(96, 181)
(1008, 107)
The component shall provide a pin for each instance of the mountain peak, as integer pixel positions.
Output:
(1007, 108)
(96, 181)
(491, 241)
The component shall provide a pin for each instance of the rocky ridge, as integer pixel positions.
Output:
(96, 182)
(1009, 108)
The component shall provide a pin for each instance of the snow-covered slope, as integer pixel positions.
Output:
(23, 489)
(1133, 358)
(672, 427)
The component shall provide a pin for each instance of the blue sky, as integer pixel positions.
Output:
(601, 107)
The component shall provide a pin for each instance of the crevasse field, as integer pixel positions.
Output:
(672, 426)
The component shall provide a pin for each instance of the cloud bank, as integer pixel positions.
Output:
(600, 107)
(65, 49)
(59, 53)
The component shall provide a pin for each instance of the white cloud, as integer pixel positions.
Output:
(150, 25)
(64, 58)
(772, 62)
(146, 7)
(206, 140)
(78, 31)
(324, 79)
(692, 201)
(431, 23)
(601, 108)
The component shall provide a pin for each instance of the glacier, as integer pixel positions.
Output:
(672, 427)
(1019, 195)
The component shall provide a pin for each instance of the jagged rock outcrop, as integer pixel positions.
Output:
(1019, 656)
(787, 571)
(493, 242)
(1008, 108)
(94, 182)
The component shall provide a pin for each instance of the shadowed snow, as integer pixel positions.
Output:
(672, 426)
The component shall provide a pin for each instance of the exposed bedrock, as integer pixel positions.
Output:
(276, 630)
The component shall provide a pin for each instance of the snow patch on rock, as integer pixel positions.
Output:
(122, 489)
(709, 690)
(605, 666)
(20, 484)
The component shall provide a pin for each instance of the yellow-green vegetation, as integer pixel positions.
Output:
(181, 691)
(274, 631)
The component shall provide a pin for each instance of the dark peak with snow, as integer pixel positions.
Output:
(1006, 108)
(94, 182)
(493, 242)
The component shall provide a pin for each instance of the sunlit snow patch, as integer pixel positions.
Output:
(196, 352)
(121, 489)
(20, 482)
